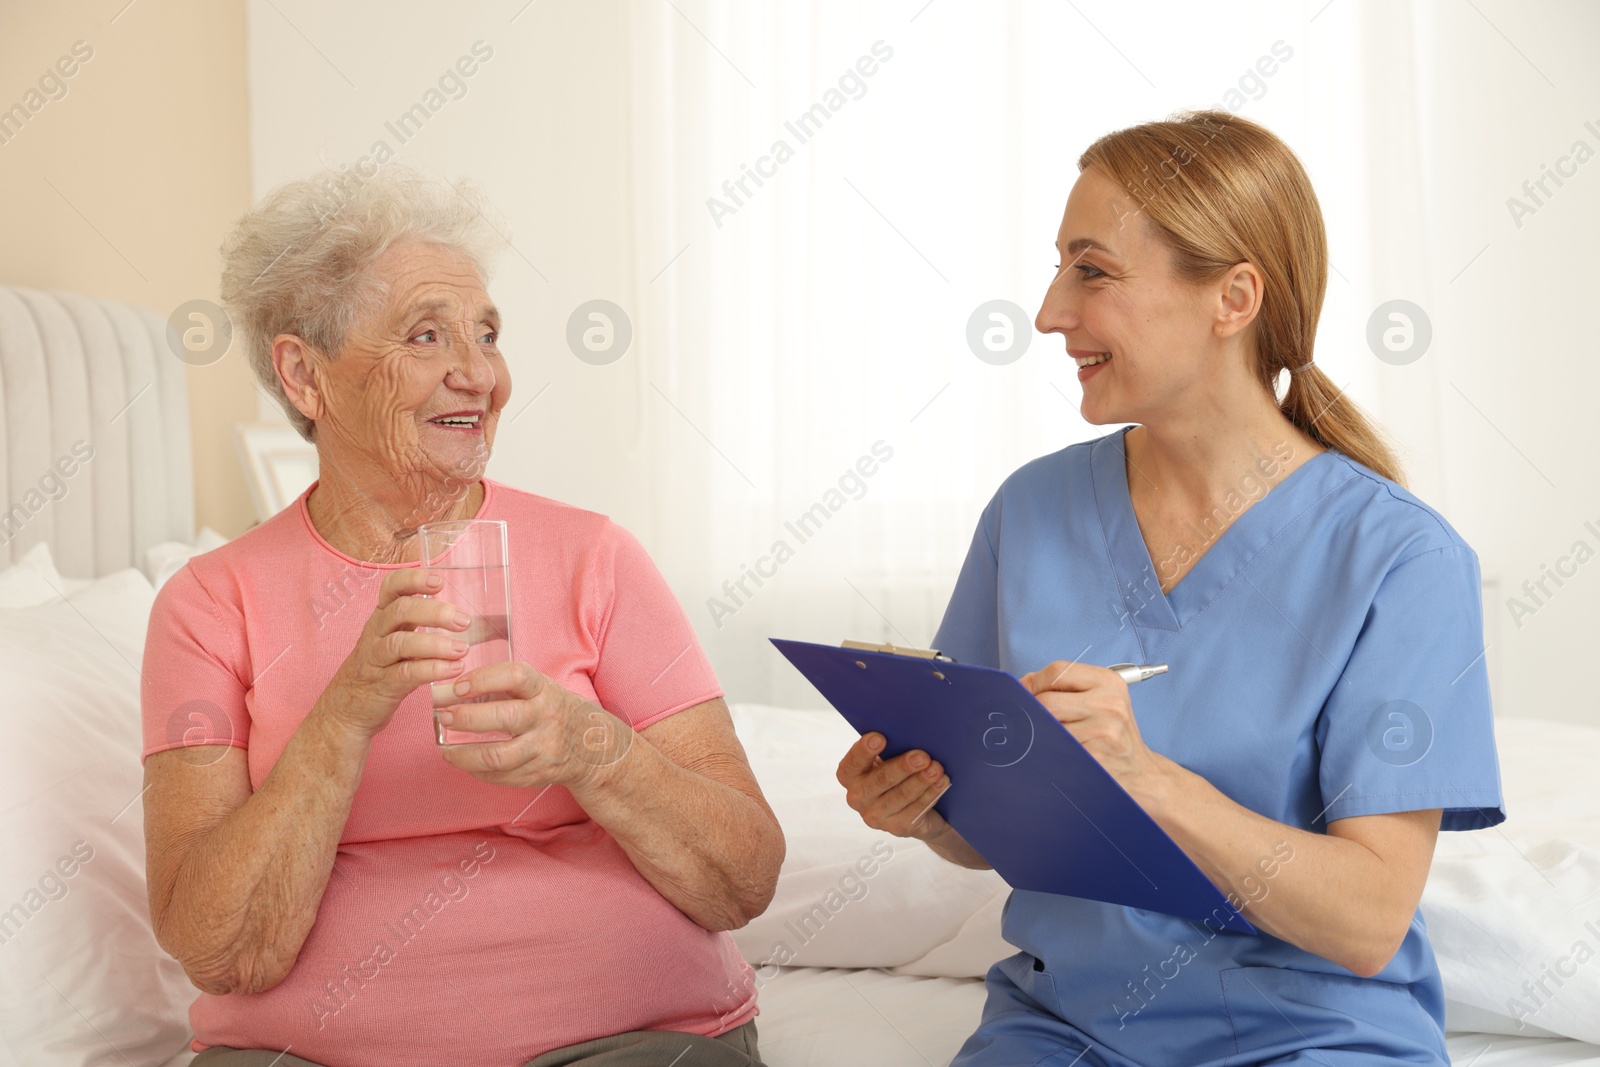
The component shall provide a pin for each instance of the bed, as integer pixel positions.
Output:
(1501, 906)
(877, 970)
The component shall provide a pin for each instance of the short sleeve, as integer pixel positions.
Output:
(970, 631)
(1409, 726)
(650, 661)
(191, 690)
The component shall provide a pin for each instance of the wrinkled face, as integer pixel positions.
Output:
(420, 384)
(1115, 295)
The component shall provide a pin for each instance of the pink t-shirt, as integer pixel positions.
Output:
(463, 922)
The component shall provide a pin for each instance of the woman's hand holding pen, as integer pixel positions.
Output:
(1093, 704)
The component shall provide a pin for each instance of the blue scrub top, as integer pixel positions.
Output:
(1327, 662)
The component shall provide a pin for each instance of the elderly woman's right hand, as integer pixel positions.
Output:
(391, 657)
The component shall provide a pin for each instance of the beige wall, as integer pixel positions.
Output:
(124, 187)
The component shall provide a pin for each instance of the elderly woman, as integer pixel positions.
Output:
(342, 890)
(1327, 711)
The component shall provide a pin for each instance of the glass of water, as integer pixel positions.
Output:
(473, 558)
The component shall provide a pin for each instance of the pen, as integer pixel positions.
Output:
(1136, 672)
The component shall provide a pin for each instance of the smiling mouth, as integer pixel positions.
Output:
(1092, 361)
(459, 422)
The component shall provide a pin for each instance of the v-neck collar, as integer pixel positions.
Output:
(1222, 560)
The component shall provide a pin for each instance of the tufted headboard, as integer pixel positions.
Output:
(94, 432)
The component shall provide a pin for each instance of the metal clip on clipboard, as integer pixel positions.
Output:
(898, 650)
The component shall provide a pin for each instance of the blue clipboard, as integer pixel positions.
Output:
(1031, 799)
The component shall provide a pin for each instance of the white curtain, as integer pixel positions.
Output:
(792, 325)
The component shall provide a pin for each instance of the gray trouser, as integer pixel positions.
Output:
(637, 1048)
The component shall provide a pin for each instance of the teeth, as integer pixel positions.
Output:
(458, 420)
(1090, 361)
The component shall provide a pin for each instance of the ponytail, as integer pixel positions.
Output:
(1323, 412)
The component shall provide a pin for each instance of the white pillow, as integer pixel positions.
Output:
(848, 895)
(33, 579)
(1512, 905)
(166, 559)
(82, 980)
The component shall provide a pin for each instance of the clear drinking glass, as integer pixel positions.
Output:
(473, 558)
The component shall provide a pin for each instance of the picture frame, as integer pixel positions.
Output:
(278, 463)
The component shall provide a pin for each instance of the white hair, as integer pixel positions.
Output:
(298, 263)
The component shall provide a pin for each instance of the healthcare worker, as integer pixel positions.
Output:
(1327, 709)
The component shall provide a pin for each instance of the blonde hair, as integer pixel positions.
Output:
(1220, 190)
(299, 262)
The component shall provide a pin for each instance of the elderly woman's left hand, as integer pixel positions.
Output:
(1092, 703)
(557, 737)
